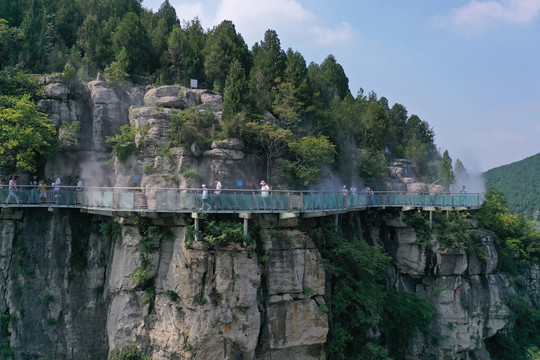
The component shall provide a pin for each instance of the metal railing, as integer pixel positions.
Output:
(235, 200)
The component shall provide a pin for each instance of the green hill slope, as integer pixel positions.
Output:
(520, 182)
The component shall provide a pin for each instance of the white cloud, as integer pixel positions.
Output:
(477, 16)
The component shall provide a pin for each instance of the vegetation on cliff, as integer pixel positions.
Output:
(26, 133)
(520, 249)
(360, 301)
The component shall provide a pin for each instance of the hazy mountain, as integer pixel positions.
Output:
(519, 181)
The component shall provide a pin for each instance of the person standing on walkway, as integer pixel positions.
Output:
(345, 195)
(34, 191)
(12, 189)
(265, 192)
(56, 184)
(42, 191)
(353, 190)
(79, 195)
(217, 193)
(204, 198)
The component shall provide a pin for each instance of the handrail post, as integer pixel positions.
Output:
(289, 200)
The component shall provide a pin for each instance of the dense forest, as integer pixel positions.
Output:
(266, 89)
(519, 182)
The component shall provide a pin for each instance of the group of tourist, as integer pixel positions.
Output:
(265, 194)
(39, 189)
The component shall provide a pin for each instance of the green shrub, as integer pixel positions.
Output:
(372, 165)
(47, 299)
(218, 233)
(200, 299)
(50, 321)
(123, 143)
(172, 295)
(147, 168)
(110, 230)
(139, 275)
(128, 353)
(405, 315)
(190, 126)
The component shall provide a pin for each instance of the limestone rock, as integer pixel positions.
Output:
(58, 91)
(229, 144)
(109, 111)
(417, 187)
(210, 99)
(172, 97)
(225, 154)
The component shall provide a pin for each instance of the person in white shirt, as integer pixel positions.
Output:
(56, 184)
(205, 197)
(217, 193)
(265, 192)
(12, 189)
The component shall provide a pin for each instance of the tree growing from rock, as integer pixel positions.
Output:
(271, 139)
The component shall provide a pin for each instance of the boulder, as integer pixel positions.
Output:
(171, 96)
(58, 91)
(230, 144)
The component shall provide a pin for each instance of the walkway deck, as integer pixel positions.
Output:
(170, 200)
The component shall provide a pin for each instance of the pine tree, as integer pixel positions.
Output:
(446, 175)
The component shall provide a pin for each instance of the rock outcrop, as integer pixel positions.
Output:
(470, 296)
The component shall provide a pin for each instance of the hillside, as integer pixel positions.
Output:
(519, 182)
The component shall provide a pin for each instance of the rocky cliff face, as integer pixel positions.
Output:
(64, 285)
(464, 286)
(68, 294)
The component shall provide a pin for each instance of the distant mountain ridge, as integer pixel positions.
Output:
(520, 182)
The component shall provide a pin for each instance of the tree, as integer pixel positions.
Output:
(372, 164)
(311, 154)
(10, 43)
(270, 138)
(285, 105)
(462, 176)
(178, 49)
(334, 82)
(33, 29)
(397, 120)
(94, 39)
(375, 124)
(223, 45)
(234, 97)
(26, 133)
(446, 175)
(117, 72)
(168, 14)
(268, 65)
(132, 36)
(195, 61)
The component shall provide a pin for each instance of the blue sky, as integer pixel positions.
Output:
(469, 68)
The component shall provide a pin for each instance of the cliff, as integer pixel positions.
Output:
(72, 290)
